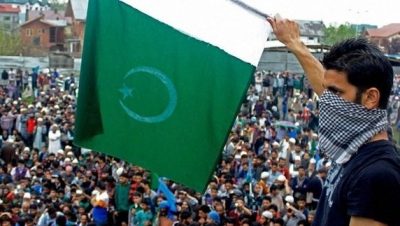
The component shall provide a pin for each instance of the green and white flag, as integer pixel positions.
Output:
(162, 81)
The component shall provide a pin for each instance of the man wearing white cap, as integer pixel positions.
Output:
(40, 133)
(54, 139)
(266, 218)
(311, 170)
(293, 215)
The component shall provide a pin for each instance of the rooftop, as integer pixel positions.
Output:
(78, 9)
(51, 23)
(385, 31)
(6, 8)
(23, 2)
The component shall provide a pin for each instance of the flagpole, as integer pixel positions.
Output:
(250, 8)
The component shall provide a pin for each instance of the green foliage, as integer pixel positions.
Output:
(10, 42)
(336, 34)
(57, 5)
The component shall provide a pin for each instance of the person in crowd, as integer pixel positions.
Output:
(354, 81)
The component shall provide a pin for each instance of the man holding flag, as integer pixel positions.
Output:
(354, 82)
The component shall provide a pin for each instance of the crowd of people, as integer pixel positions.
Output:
(271, 172)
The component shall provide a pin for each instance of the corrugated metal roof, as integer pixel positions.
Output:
(79, 8)
(55, 23)
(52, 23)
(48, 15)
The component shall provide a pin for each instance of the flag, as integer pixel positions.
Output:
(162, 81)
(171, 200)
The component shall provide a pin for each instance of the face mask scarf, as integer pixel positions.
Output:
(345, 126)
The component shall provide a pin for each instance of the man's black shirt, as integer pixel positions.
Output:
(367, 186)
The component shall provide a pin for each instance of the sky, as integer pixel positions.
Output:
(333, 12)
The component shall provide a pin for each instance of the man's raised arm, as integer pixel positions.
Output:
(287, 32)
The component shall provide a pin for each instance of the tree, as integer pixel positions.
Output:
(57, 5)
(10, 43)
(336, 34)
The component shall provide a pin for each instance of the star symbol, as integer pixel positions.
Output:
(126, 91)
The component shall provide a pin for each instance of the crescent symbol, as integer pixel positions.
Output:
(171, 93)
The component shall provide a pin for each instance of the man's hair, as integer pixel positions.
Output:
(267, 198)
(365, 67)
(279, 221)
(274, 207)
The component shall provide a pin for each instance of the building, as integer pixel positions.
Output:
(361, 28)
(384, 36)
(9, 17)
(76, 10)
(48, 15)
(25, 5)
(40, 35)
(311, 33)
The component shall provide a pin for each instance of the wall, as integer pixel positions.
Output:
(281, 61)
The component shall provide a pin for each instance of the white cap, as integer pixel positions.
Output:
(61, 151)
(243, 153)
(281, 178)
(27, 149)
(328, 164)
(313, 161)
(27, 195)
(70, 153)
(120, 171)
(289, 199)
(275, 143)
(68, 147)
(95, 192)
(292, 140)
(237, 156)
(79, 192)
(264, 175)
(267, 214)
(274, 108)
(297, 158)
(67, 160)
(314, 135)
(75, 161)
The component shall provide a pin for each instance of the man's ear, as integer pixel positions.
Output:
(370, 98)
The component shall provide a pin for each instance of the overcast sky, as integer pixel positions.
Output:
(373, 12)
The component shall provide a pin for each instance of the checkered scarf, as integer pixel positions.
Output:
(345, 126)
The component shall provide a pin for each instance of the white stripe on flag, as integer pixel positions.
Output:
(218, 22)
